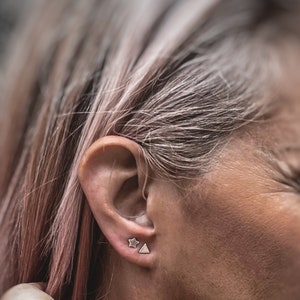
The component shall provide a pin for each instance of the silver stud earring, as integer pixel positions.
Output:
(144, 249)
(132, 243)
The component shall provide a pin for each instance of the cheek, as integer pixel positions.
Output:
(253, 247)
(228, 248)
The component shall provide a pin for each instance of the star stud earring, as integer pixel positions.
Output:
(132, 243)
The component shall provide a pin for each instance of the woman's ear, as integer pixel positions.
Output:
(113, 176)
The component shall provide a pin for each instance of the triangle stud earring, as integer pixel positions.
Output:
(144, 249)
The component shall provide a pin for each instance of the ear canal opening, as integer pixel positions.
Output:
(143, 220)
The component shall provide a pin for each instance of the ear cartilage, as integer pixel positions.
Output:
(132, 243)
(144, 249)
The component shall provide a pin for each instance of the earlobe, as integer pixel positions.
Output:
(113, 177)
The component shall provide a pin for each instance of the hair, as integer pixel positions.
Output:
(177, 77)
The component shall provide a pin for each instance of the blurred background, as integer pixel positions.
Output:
(10, 11)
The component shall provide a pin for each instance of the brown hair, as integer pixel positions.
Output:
(177, 77)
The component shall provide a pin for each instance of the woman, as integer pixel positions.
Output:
(150, 150)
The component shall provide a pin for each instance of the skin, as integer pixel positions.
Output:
(236, 231)
(233, 234)
(240, 238)
(26, 291)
